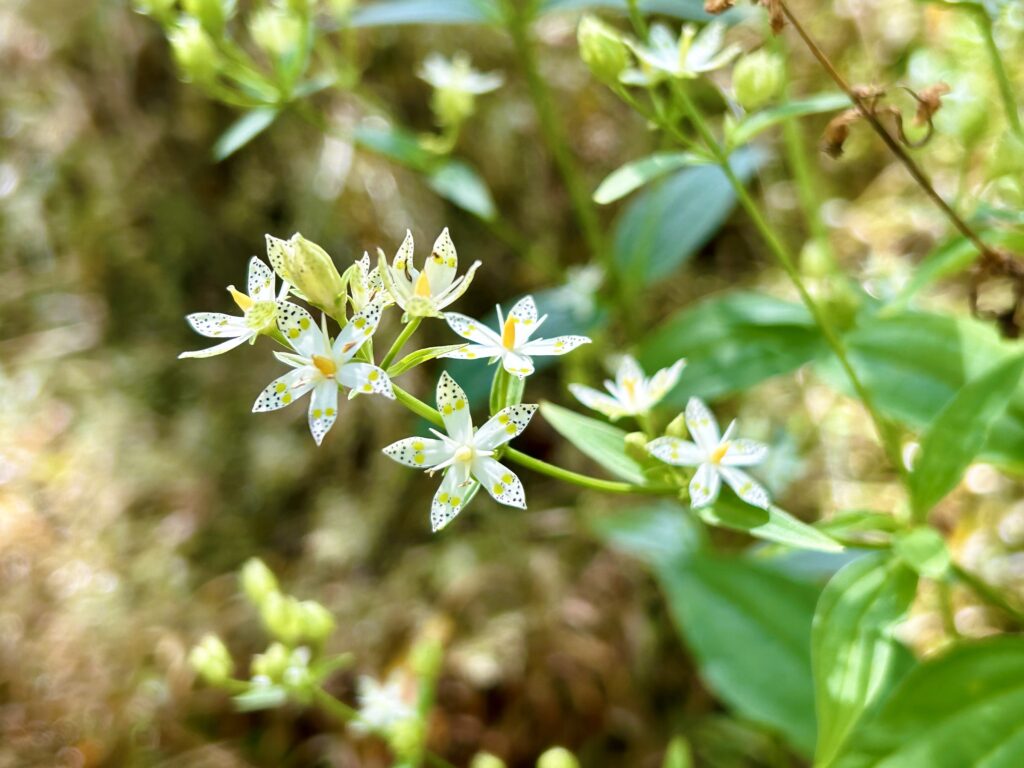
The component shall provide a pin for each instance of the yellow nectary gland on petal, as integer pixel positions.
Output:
(719, 453)
(325, 365)
(508, 334)
(241, 299)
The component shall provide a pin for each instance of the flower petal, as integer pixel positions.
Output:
(559, 345)
(219, 349)
(599, 401)
(524, 311)
(356, 332)
(261, 281)
(456, 289)
(300, 330)
(453, 494)
(454, 408)
(323, 409)
(286, 389)
(365, 378)
(217, 325)
(515, 363)
(277, 253)
(746, 487)
(663, 381)
(704, 486)
(702, 425)
(471, 329)
(675, 451)
(403, 259)
(744, 453)
(442, 264)
(503, 426)
(629, 370)
(419, 452)
(472, 352)
(500, 482)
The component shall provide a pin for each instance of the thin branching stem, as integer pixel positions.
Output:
(403, 337)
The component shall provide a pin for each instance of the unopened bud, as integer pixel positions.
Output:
(677, 427)
(282, 617)
(757, 78)
(194, 51)
(558, 757)
(211, 14)
(211, 660)
(272, 663)
(602, 49)
(275, 31)
(452, 106)
(306, 266)
(636, 446)
(486, 760)
(317, 622)
(257, 580)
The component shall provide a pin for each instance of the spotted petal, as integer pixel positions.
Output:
(746, 487)
(454, 408)
(216, 325)
(704, 486)
(359, 329)
(677, 452)
(664, 380)
(442, 264)
(524, 311)
(516, 364)
(419, 452)
(261, 281)
(277, 252)
(505, 425)
(559, 345)
(472, 352)
(300, 330)
(366, 379)
(744, 453)
(598, 401)
(455, 491)
(323, 409)
(220, 349)
(500, 482)
(471, 329)
(286, 389)
(702, 425)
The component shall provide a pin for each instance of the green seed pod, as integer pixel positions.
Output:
(677, 427)
(195, 52)
(282, 616)
(486, 760)
(558, 757)
(636, 446)
(452, 106)
(317, 622)
(211, 660)
(757, 78)
(257, 580)
(602, 49)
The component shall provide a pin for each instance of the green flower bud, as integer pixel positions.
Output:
(275, 31)
(602, 49)
(815, 260)
(757, 78)
(636, 446)
(195, 52)
(257, 580)
(272, 663)
(161, 10)
(558, 757)
(308, 268)
(677, 427)
(317, 622)
(452, 106)
(282, 616)
(486, 760)
(211, 660)
(211, 14)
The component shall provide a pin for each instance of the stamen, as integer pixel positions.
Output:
(243, 301)
(422, 287)
(325, 365)
(463, 454)
(508, 334)
(720, 452)
(630, 384)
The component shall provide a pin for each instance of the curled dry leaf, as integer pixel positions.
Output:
(929, 101)
(838, 131)
(775, 13)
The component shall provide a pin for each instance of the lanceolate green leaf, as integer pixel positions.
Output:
(680, 9)
(635, 174)
(602, 442)
(958, 433)
(759, 122)
(773, 524)
(243, 130)
(458, 183)
(657, 534)
(965, 708)
(732, 342)
(855, 658)
(394, 12)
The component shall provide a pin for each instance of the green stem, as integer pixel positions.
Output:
(407, 332)
(636, 18)
(554, 133)
(333, 707)
(420, 408)
(888, 437)
(988, 593)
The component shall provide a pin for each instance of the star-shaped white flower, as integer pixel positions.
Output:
(323, 367)
(383, 705)
(425, 293)
(513, 346)
(692, 54)
(259, 306)
(466, 455)
(632, 393)
(457, 74)
(715, 456)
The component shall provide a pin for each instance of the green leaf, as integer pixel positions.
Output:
(243, 130)
(458, 183)
(958, 433)
(749, 627)
(757, 123)
(659, 534)
(261, 697)
(859, 521)
(962, 709)
(773, 524)
(602, 442)
(666, 224)
(395, 144)
(952, 258)
(419, 357)
(924, 550)
(395, 12)
(855, 658)
(731, 342)
(635, 174)
(692, 10)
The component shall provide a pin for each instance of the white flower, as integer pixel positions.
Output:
(259, 306)
(456, 74)
(513, 346)
(382, 705)
(323, 367)
(632, 393)
(687, 57)
(425, 293)
(716, 458)
(466, 455)
(366, 286)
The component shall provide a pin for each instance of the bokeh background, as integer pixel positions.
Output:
(132, 484)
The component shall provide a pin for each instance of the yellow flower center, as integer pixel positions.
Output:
(422, 287)
(630, 386)
(325, 365)
(464, 454)
(719, 453)
(508, 334)
(243, 301)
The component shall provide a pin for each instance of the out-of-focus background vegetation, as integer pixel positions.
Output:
(132, 485)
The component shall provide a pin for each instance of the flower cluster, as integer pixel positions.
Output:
(324, 363)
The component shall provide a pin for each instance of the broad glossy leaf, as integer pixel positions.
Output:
(773, 524)
(600, 441)
(636, 173)
(458, 183)
(758, 122)
(667, 223)
(732, 342)
(394, 12)
(749, 627)
(965, 708)
(855, 657)
(959, 431)
(659, 534)
(243, 130)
